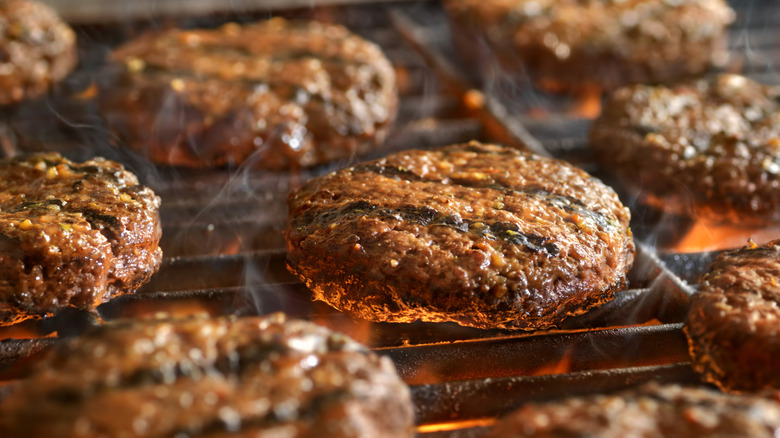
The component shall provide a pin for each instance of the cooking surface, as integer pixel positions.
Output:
(224, 251)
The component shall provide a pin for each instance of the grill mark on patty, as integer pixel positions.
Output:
(29, 205)
(250, 356)
(427, 216)
(567, 203)
(511, 232)
(306, 412)
(109, 226)
(154, 70)
(396, 172)
(144, 378)
(96, 219)
(286, 92)
(85, 168)
(158, 72)
(291, 54)
(233, 363)
(93, 172)
(573, 205)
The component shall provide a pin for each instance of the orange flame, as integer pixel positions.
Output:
(455, 425)
(561, 366)
(588, 102)
(26, 330)
(585, 100)
(710, 236)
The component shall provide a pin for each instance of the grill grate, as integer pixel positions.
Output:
(224, 251)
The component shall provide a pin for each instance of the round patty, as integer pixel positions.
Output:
(72, 234)
(707, 147)
(574, 44)
(482, 235)
(211, 377)
(650, 410)
(733, 326)
(278, 94)
(37, 49)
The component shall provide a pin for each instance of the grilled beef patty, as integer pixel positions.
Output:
(72, 234)
(211, 377)
(481, 235)
(650, 410)
(278, 94)
(37, 49)
(733, 326)
(707, 147)
(568, 45)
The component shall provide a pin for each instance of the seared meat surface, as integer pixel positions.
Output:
(72, 234)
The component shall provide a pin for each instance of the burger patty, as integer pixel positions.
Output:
(733, 325)
(650, 410)
(710, 147)
(211, 377)
(37, 49)
(481, 235)
(276, 94)
(72, 234)
(575, 44)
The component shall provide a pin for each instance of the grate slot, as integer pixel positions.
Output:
(542, 354)
(488, 398)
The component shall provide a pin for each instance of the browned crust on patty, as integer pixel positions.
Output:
(481, 235)
(211, 377)
(733, 326)
(651, 410)
(573, 44)
(72, 234)
(710, 147)
(37, 49)
(275, 93)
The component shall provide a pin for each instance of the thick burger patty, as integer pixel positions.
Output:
(201, 377)
(482, 235)
(278, 94)
(709, 145)
(733, 326)
(37, 49)
(574, 44)
(650, 410)
(72, 234)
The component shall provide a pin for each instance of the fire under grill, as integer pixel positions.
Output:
(224, 249)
